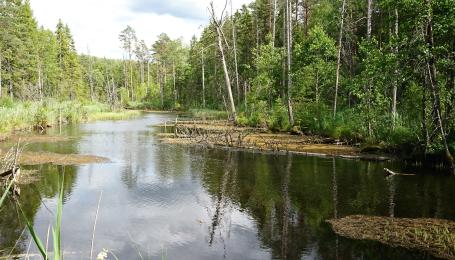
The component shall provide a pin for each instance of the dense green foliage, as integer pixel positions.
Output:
(410, 50)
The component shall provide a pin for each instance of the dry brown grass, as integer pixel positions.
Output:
(37, 158)
(38, 139)
(434, 236)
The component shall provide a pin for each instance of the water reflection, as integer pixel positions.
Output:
(198, 203)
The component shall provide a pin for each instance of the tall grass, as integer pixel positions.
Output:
(27, 115)
(208, 114)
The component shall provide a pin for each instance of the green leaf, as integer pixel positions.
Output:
(35, 237)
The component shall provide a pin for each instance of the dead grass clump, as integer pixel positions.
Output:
(39, 138)
(434, 236)
(37, 158)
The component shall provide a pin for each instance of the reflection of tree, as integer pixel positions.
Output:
(221, 199)
(11, 224)
(290, 197)
(391, 186)
(335, 203)
(335, 189)
(286, 208)
(129, 176)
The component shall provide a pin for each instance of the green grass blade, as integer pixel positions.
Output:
(55, 237)
(35, 237)
(57, 229)
(6, 193)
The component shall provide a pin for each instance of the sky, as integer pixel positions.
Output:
(96, 24)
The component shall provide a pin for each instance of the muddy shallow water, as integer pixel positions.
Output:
(179, 202)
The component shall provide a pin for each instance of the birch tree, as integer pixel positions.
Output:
(289, 61)
(340, 42)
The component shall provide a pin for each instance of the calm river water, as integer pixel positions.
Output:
(174, 202)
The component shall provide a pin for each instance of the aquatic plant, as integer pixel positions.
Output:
(56, 229)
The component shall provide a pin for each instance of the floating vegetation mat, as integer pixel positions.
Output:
(37, 158)
(38, 138)
(434, 236)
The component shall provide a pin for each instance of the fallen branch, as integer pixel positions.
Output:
(392, 173)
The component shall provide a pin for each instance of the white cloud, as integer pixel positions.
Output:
(97, 24)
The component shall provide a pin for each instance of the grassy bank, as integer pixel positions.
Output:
(27, 115)
(349, 126)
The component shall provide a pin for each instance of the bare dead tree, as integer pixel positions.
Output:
(369, 19)
(369, 86)
(395, 82)
(289, 61)
(274, 23)
(203, 78)
(340, 39)
(218, 24)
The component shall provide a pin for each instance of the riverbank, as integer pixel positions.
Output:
(225, 134)
(28, 116)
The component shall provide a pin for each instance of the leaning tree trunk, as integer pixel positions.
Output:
(431, 69)
(219, 33)
(226, 75)
(340, 39)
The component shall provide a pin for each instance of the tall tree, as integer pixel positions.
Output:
(340, 43)
(289, 61)
(128, 39)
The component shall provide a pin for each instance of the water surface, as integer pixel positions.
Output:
(176, 202)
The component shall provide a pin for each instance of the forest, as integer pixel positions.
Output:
(373, 72)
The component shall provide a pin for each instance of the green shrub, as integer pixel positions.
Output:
(6, 102)
(41, 116)
(242, 120)
(258, 115)
(279, 119)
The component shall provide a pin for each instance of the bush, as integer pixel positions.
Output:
(41, 116)
(258, 114)
(279, 119)
(242, 120)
